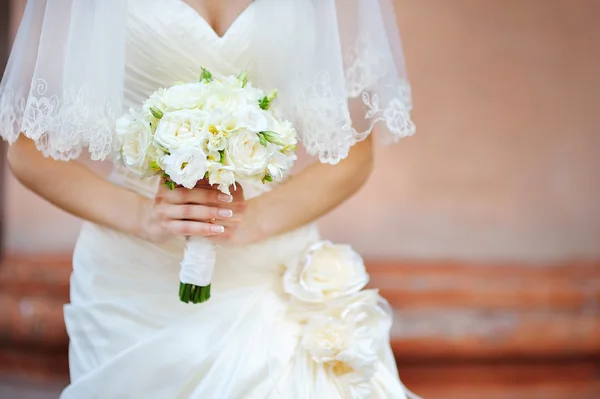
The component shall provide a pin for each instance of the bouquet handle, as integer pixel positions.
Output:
(197, 269)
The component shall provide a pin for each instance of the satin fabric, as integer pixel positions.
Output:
(130, 336)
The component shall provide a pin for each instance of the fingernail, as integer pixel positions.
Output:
(217, 229)
(225, 213)
(225, 198)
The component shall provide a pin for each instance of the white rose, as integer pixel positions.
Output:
(325, 272)
(135, 142)
(279, 164)
(230, 81)
(285, 130)
(253, 94)
(179, 129)
(185, 96)
(156, 100)
(186, 166)
(216, 142)
(246, 155)
(225, 100)
(252, 118)
(222, 176)
(229, 123)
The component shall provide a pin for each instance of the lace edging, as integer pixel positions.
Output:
(326, 125)
(60, 126)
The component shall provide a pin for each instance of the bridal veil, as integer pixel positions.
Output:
(342, 73)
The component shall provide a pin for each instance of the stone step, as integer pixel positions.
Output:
(35, 322)
(443, 310)
(577, 379)
(44, 275)
(573, 286)
(569, 286)
(548, 379)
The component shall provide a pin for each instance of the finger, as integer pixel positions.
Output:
(192, 229)
(194, 196)
(230, 224)
(192, 212)
(205, 184)
(237, 192)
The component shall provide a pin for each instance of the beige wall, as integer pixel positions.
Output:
(506, 160)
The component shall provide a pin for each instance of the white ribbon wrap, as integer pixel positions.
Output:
(198, 262)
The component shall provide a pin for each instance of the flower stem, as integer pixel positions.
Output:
(193, 293)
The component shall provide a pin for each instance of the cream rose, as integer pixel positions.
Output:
(225, 100)
(252, 118)
(186, 166)
(246, 155)
(286, 132)
(179, 129)
(156, 100)
(135, 141)
(279, 164)
(325, 272)
(184, 96)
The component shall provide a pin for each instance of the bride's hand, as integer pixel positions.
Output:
(202, 211)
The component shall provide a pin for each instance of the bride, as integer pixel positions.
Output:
(289, 316)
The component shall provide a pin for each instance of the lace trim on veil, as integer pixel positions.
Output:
(327, 125)
(60, 126)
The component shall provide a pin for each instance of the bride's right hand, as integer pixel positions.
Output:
(184, 212)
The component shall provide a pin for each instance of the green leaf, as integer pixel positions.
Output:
(263, 103)
(262, 139)
(154, 165)
(272, 137)
(206, 76)
(266, 101)
(157, 113)
(170, 184)
(243, 78)
(222, 157)
(267, 178)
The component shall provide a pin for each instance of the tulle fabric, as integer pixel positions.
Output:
(338, 65)
(343, 75)
(63, 85)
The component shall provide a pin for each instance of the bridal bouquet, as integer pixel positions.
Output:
(221, 129)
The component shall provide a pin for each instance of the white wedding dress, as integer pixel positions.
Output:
(131, 337)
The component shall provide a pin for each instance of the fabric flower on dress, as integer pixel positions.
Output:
(325, 272)
(346, 338)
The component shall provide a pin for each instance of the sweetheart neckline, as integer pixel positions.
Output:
(234, 23)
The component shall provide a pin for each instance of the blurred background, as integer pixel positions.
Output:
(483, 230)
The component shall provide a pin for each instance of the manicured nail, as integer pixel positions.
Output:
(217, 229)
(225, 213)
(225, 198)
